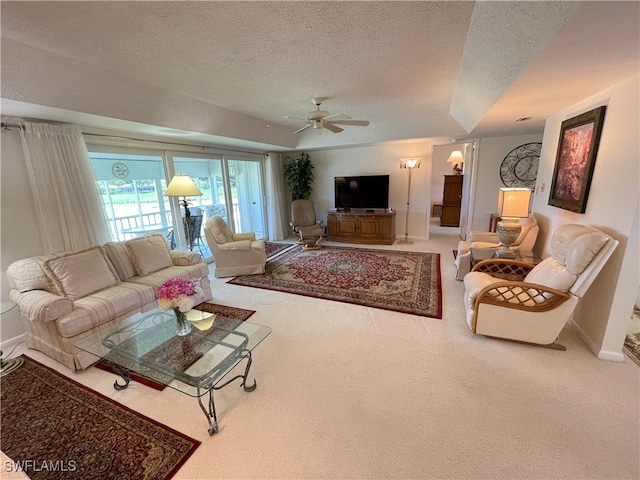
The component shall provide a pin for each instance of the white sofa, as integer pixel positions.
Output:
(68, 296)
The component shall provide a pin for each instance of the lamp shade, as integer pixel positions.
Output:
(410, 163)
(456, 157)
(514, 202)
(182, 186)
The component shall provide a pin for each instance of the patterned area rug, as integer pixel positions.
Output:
(407, 282)
(58, 429)
(226, 316)
(632, 342)
(632, 347)
(272, 248)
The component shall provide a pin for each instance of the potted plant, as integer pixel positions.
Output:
(299, 175)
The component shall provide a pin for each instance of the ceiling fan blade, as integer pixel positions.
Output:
(295, 118)
(360, 123)
(341, 116)
(303, 128)
(332, 127)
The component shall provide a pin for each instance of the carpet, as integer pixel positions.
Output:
(225, 316)
(632, 347)
(272, 248)
(59, 428)
(407, 282)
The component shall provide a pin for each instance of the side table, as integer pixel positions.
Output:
(479, 254)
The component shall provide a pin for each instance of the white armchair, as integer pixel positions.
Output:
(516, 301)
(525, 242)
(234, 253)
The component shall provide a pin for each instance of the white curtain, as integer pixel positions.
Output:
(276, 198)
(67, 201)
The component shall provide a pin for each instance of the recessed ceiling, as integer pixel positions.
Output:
(232, 71)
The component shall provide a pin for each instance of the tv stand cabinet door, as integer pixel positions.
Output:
(344, 226)
(367, 228)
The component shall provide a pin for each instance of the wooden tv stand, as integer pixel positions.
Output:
(360, 226)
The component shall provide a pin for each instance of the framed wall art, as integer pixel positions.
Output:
(575, 160)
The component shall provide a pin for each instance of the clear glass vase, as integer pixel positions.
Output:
(184, 327)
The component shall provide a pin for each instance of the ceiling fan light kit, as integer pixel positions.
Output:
(322, 119)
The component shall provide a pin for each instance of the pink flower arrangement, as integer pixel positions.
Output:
(177, 293)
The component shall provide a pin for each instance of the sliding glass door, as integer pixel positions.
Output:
(132, 182)
(232, 189)
(245, 178)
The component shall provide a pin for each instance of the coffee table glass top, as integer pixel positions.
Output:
(147, 344)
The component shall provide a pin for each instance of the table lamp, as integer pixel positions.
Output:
(513, 204)
(456, 158)
(181, 185)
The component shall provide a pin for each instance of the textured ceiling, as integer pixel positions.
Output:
(236, 69)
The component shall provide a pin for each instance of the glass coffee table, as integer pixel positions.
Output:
(195, 364)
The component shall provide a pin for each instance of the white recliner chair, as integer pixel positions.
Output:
(525, 242)
(516, 301)
(234, 253)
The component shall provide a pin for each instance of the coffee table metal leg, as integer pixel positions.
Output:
(121, 372)
(210, 413)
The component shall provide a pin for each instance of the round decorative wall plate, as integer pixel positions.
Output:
(120, 170)
(520, 167)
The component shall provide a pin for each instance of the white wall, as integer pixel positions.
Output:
(604, 314)
(19, 235)
(378, 160)
(491, 152)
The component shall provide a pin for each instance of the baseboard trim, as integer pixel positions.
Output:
(612, 356)
(601, 354)
(12, 342)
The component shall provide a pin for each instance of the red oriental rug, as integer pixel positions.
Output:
(226, 316)
(54, 427)
(407, 282)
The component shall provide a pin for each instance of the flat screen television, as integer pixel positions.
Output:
(365, 191)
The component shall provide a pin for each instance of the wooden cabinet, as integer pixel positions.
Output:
(362, 227)
(451, 201)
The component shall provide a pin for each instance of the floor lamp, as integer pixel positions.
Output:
(181, 185)
(410, 164)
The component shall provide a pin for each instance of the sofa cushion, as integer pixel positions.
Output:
(81, 273)
(104, 306)
(184, 272)
(118, 253)
(149, 254)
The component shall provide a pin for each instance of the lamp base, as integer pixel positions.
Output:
(508, 231)
(405, 241)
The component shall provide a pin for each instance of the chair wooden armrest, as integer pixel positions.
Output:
(504, 268)
(517, 295)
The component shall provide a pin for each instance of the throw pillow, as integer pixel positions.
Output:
(149, 254)
(118, 253)
(81, 273)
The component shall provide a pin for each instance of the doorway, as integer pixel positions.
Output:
(446, 187)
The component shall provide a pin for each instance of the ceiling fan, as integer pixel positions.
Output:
(322, 119)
